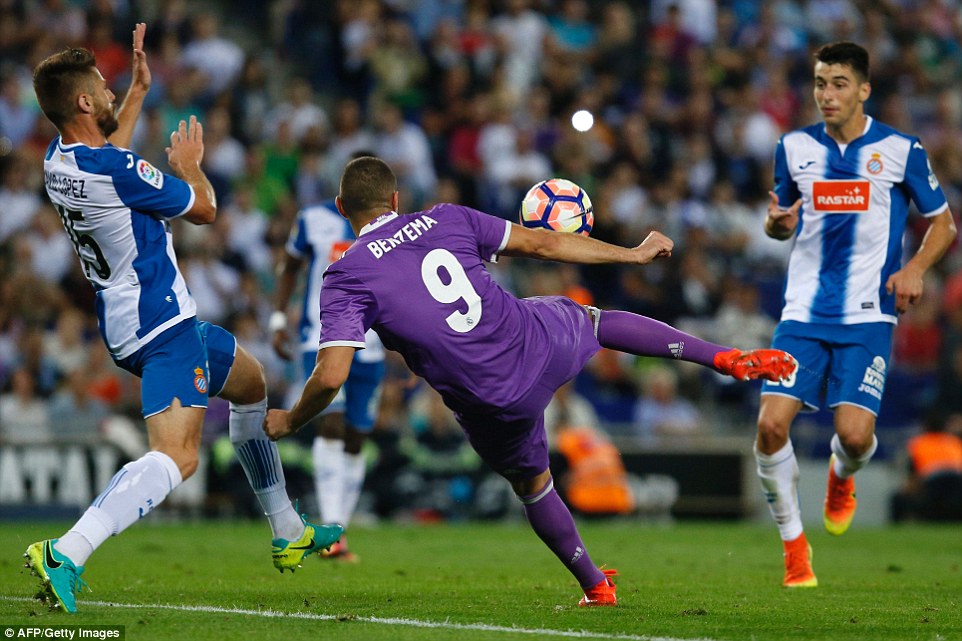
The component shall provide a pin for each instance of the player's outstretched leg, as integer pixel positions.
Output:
(59, 577)
(643, 336)
(59, 562)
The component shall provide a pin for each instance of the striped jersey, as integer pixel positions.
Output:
(116, 208)
(320, 236)
(855, 202)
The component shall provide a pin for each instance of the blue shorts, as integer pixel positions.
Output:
(837, 364)
(513, 442)
(360, 395)
(190, 361)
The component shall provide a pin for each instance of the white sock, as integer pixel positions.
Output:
(845, 465)
(355, 467)
(136, 489)
(328, 457)
(262, 465)
(779, 476)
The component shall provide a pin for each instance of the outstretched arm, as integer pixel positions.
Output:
(906, 283)
(330, 372)
(573, 248)
(129, 111)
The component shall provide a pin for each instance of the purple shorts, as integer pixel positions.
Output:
(513, 442)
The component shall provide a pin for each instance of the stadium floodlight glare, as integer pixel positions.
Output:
(582, 120)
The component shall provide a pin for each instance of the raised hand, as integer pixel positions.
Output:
(186, 149)
(140, 74)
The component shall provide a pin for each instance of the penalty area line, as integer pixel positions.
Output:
(391, 621)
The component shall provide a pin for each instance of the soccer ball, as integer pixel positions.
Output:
(559, 205)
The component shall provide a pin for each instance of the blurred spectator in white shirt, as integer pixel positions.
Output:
(66, 346)
(219, 59)
(17, 116)
(52, 253)
(24, 417)
(20, 200)
(660, 412)
(299, 110)
(404, 146)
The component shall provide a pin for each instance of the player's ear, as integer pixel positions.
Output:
(84, 103)
(340, 207)
(395, 200)
(864, 91)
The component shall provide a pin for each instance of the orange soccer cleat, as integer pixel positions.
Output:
(772, 364)
(798, 564)
(839, 501)
(339, 552)
(602, 594)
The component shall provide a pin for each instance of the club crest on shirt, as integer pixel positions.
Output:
(200, 381)
(150, 174)
(874, 166)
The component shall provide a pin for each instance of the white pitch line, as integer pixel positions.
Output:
(412, 623)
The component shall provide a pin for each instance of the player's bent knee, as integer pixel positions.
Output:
(772, 428)
(772, 434)
(856, 443)
(529, 487)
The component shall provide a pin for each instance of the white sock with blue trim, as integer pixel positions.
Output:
(134, 491)
(778, 473)
(262, 464)
(845, 465)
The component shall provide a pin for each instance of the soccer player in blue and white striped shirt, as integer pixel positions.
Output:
(116, 207)
(842, 192)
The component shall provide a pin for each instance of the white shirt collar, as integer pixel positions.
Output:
(377, 222)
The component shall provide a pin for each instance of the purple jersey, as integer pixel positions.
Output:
(420, 281)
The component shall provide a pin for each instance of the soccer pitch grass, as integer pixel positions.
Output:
(466, 582)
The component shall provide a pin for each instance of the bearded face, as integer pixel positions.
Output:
(107, 120)
(104, 109)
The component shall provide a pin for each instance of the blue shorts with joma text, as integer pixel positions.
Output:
(837, 364)
(190, 362)
(360, 395)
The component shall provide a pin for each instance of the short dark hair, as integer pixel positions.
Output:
(59, 78)
(367, 183)
(845, 53)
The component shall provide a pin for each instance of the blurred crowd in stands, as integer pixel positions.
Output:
(471, 101)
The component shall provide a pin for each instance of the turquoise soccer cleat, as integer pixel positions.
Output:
(59, 577)
(287, 555)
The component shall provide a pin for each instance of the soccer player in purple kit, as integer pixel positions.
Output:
(420, 281)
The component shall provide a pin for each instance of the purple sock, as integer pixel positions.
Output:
(643, 336)
(551, 521)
